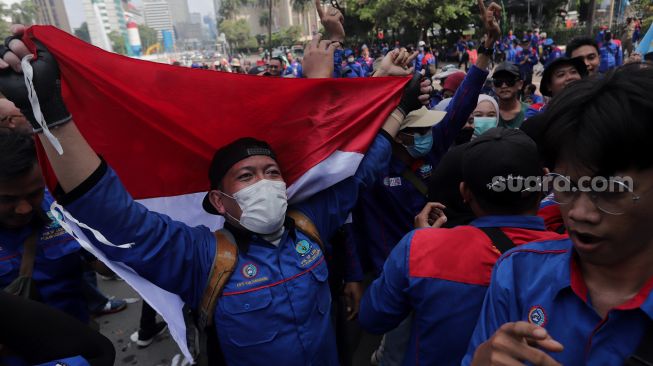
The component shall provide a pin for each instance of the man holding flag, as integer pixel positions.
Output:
(276, 303)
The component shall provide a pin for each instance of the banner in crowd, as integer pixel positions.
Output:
(158, 126)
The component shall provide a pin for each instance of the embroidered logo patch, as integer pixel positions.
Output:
(250, 270)
(537, 316)
(425, 171)
(303, 247)
(392, 181)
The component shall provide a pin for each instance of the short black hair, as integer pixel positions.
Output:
(280, 59)
(17, 155)
(602, 124)
(579, 42)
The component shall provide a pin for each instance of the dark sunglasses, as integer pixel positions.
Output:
(499, 82)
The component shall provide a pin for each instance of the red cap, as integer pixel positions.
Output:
(453, 81)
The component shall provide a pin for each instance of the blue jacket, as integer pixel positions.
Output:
(385, 211)
(57, 265)
(276, 304)
(611, 56)
(531, 60)
(550, 291)
(441, 276)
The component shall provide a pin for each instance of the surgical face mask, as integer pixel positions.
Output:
(421, 146)
(263, 204)
(350, 60)
(421, 48)
(482, 124)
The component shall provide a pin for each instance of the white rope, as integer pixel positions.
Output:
(28, 72)
(61, 215)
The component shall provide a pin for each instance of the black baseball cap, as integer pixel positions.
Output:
(505, 155)
(506, 68)
(551, 65)
(227, 156)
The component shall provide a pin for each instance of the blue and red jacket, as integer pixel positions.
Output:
(611, 56)
(441, 276)
(550, 291)
(530, 56)
(275, 306)
(57, 265)
(550, 212)
(386, 210)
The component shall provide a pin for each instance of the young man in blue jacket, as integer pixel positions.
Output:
(585, 300)
(24, 212)
(276, 304)
(441, 275)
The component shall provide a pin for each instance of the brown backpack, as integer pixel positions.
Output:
(224, 263)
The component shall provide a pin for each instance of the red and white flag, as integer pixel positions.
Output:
(158, 125)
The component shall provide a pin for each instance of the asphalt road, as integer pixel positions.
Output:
(118, 327)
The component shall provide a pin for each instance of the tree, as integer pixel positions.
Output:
(4, 12)
(23, 12)
(118, 42)
(82, 33)
(148, 36)
(237, 32)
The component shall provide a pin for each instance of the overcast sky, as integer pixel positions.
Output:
(76, 11)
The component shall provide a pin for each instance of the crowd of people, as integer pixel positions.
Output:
(469, 233)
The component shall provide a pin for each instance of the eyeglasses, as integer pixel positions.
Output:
(273, 67)
(499, 82)
(610, 195)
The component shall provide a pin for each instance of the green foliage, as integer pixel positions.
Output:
(237, 32)
(408, 20)
(148, 36)
(118, 42)
(82, 33)
(23, 12)
(287, 36)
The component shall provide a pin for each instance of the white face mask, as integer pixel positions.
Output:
(263, 204)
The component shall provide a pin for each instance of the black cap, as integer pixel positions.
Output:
(229, 155)
(551, 65)
(505, 154)
(506, 68)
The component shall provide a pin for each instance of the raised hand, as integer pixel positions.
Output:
(395, 63)
(45, 78)
(333, 22)
(318, 58)
(490, 18)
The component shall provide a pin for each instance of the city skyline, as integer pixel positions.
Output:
(75, 9)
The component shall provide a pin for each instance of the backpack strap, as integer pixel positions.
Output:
(29, 253)
(306, 226)
(224, 263)
(643, 355)
(500, 240)
(410, 176)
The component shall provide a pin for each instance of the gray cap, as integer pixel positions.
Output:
(506, 68)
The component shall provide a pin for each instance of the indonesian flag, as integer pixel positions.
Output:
(159, 125)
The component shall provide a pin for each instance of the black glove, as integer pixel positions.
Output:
(409, 101)
(47, 85)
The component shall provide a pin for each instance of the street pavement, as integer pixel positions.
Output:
(118, 327)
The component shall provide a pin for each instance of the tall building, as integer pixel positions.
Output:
(283, 16)
(179, 11)
(52, 12)
(104, 17)
(157, 16)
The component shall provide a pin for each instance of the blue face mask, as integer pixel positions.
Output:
(482, 124)
(421, 146)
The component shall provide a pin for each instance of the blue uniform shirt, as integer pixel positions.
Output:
(275, 307)
(386, 210)
(550, 291)
(57, 266)
(441, 276)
